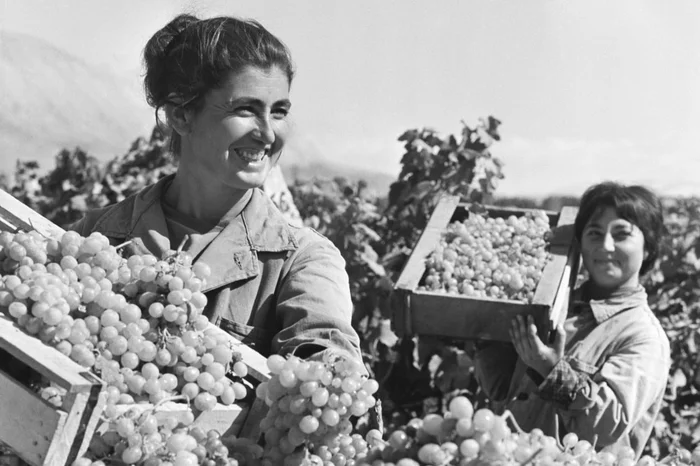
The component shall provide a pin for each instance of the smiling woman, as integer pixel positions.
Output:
(605, 374)
(223, 85)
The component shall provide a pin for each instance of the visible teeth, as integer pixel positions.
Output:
(251, 155)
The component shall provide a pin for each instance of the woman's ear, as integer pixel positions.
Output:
(179, 118)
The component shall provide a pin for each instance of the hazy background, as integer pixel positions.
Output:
(586, 90)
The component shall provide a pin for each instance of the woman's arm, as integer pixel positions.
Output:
(607, 402)
(494, 365)
(314, 305)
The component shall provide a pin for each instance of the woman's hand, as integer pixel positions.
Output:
(532, 350)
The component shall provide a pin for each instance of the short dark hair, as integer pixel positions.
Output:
(189, 57)
(636, 204)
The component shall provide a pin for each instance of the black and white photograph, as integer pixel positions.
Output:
(368, 233)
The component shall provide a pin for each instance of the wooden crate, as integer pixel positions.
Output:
(40, 433)
(43, 435)
(455, 316)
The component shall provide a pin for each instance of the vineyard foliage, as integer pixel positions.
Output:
(375, 236)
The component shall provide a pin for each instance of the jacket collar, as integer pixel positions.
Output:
(231, 254)
(603, 309)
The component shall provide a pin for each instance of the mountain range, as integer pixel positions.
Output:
(51, 99)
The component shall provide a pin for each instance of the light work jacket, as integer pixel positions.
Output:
(279, 288)
(608, 387)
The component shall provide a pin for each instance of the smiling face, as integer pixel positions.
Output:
(613, 250)
(239, 133)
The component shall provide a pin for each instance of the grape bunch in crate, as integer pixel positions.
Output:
(490, 257)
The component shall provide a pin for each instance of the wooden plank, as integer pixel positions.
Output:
(548, 285)
(70, 434)
(17, 216)
(27, 423)
(44, 359)
(414, 269)
(465, 318)
(92, 417)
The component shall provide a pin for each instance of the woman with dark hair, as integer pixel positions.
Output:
(604, 375)
(223, 85)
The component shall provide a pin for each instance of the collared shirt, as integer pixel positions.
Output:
(279, 288)
(607, 388)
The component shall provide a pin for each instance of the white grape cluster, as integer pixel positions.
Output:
(138, 437)
(136, 322)
(465, 437)
(310, 405)
(487, 257)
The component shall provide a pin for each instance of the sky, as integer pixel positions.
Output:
(586, 90)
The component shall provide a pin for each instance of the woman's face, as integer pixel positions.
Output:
(239, 133)
(612, 250)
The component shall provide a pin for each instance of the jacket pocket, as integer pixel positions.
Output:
(259, 339)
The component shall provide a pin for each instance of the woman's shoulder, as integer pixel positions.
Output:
(642, 326)
(114, 219)
(306, 236)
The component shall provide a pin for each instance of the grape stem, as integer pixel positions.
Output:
(182, 244)
(123, 245)
(531, 458)
(507, 415)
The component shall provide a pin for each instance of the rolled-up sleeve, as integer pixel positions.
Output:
(608, 402)
(314, 306)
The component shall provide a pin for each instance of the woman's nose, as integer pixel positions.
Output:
(608, 242)
(264, 131)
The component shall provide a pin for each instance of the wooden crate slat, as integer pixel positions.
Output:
(17, 216)
(27, 423)
(457, 317)
(415, 267)
(72, 440)
(44, 359)
(549, 282)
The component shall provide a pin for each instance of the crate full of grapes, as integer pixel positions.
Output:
(475, 268)
(96, 346)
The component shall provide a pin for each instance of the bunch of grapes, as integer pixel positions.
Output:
(485, 257)
(136, 322)
(311, 403)
(464, 437)
(137, 437)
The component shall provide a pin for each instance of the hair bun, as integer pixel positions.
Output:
(155, 53)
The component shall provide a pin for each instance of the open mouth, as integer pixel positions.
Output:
(252, 155)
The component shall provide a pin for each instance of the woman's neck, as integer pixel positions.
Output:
(204, 200)
(594, 291)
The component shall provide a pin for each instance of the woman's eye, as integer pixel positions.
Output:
(245, 110)
(280, 112)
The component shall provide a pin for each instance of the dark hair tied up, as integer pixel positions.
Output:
(189, 57)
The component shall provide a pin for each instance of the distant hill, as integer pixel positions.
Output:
(53, 100)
